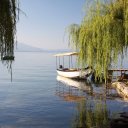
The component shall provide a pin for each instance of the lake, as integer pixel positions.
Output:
(35, 98)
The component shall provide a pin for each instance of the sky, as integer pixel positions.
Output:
(45, 21)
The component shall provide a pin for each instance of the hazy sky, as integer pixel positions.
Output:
(46, 20)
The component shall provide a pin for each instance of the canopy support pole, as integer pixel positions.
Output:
(63, 61)
(69, 61)
(56, 62)
(59, 61)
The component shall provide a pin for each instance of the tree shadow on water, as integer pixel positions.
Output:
(8, 65)
(91, 115)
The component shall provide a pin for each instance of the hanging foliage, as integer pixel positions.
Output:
(102, 35)
(9, 11)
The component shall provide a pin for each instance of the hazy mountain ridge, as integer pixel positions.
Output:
(21, 47)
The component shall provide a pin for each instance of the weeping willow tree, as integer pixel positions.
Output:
(102, 35)
(9, 12)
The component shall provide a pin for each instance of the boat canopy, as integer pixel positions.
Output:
(67, 54)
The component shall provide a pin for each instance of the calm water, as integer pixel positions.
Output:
(35, 98)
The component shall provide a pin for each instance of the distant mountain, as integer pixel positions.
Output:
(21, 47)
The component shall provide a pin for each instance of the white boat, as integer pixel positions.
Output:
(71, 72)
(74, 73)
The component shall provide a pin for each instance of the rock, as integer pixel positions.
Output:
(121, 88)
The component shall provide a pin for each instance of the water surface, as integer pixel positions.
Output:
(35, 98)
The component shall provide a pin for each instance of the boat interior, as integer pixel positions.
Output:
(68, 69)
(61, 68)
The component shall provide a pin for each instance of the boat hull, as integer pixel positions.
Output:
(75, 74)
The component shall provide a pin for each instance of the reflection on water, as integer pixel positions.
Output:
(72, 90)
(81, 84)
(93, 109)
(86, 88)
(91, 115)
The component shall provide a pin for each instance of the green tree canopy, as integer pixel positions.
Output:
(102, 34)
(9, 10)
